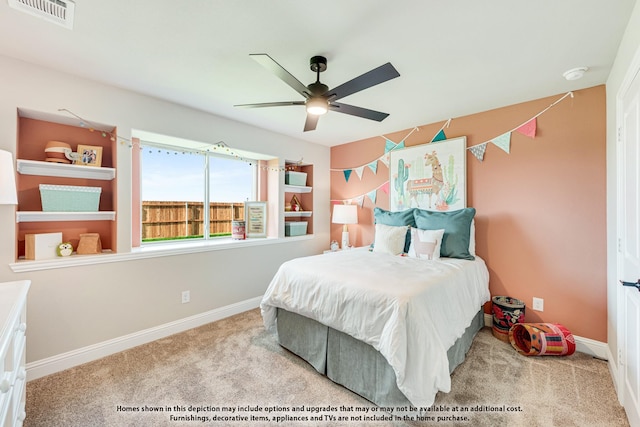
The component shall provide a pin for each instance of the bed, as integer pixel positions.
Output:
(389, 327)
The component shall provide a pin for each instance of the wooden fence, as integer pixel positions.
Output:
(179, 219)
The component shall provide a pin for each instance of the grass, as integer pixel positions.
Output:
(165, 239)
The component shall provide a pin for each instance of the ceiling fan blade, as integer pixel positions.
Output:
(358, 111)
(376, 76)
(311, 122)
(270, 64)
(271, 104)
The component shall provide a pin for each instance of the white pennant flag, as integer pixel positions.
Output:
(503, 141)
(385, 159)
(359, 170)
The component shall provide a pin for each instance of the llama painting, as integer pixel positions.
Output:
(429, 176)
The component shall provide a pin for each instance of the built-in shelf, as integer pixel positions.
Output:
(35, 167)
(297, 189)
(289, 214)
(38, 216)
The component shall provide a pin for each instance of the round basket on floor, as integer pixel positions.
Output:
(542, 339)
(507, 312)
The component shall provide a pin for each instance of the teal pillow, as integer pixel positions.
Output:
(400, 218)
(456, 224)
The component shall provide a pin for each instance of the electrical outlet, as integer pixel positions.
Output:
(186, 296)
(538, 304)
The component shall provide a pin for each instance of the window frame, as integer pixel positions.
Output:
(207, 154)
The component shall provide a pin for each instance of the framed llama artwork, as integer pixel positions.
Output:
(429, 176)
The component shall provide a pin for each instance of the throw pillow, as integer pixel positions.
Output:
(397, 219)
(456, 225)
(425, 244)
(389, 239)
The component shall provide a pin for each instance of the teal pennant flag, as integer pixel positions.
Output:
(347, 174)
(440, 136)
(372, 196)
(373, 166)
(390, 145)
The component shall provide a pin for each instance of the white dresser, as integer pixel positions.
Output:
(13, 375)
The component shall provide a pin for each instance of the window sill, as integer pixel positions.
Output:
(149, 251)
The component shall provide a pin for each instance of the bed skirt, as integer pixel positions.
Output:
(353, 363)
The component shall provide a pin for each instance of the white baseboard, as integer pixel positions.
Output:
(584, 345)
(60, 362)
(488, 320)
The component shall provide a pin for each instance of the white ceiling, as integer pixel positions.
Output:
(454, 57)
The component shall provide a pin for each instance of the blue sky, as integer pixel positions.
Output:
(175, 176)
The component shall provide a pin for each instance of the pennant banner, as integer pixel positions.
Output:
(440, 136)
(503, 141)
(390, 145)
(478, 151)
(374, 166)
(372, 196)
(359, 170)
(347, 174)
(529, 128)
(385, 187)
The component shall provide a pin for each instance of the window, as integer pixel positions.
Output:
(178, 182)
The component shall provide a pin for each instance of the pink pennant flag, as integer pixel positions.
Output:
(385, 187)
(529, 128)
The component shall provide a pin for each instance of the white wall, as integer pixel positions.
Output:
(627, 54)
(75, 307)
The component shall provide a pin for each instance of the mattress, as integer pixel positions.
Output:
(410, 310)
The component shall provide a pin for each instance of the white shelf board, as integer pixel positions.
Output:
(39, 216)
(35, 167)
(289, 214)
(297, 189)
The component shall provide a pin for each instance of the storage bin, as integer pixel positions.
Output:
(295, 178)
(69, 198)
(295, 228)
(507, 312)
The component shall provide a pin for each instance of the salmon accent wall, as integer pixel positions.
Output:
(540, 222)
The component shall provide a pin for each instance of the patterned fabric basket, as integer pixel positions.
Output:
(507, 312)
(542, 339)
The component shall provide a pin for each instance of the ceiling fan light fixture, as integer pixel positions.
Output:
(317, 106)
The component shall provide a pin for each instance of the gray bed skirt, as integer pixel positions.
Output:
(353, 363)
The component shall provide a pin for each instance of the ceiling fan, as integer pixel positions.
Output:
(318, 97)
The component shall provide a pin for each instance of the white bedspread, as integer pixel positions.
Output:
(410, 310)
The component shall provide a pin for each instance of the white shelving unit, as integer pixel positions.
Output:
(39, 216)
(35, 167)
(291, 214)
(297, 189)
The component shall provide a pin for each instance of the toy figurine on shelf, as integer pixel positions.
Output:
(295, 204)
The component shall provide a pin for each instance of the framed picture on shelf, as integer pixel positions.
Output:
(255, 214)
(89, 155)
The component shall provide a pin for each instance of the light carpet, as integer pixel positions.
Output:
(233, 373)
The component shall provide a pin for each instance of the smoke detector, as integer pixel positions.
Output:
(57, 11)
(574, 73)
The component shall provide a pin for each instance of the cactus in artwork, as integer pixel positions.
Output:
(449, 193)
(451, 178)
(403, 176)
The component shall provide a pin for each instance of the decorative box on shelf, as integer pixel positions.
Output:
(295, 178)
(42, 246)
(69, 198)
(295, 228)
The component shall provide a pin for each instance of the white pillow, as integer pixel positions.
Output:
(389, 239)
(425, 244)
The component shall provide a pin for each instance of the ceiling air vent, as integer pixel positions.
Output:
(57, 11)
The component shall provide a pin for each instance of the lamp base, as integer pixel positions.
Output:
(345, 240)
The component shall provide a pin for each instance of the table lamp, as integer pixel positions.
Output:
(8, 195)
(345, 214)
